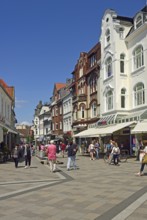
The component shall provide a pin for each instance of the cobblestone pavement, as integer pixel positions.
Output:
(95, 191)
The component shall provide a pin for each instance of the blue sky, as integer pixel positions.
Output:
(40, 43)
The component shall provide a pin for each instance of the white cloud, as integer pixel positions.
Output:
(19, 103)
(25, 123)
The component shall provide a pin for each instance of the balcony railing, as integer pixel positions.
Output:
(79, 98)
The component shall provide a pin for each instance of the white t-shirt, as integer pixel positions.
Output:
(91, 146)
(142, 153)
(115, 150)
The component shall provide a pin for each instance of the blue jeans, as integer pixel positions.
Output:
(115, 157)
(71, 159)
(97, 153)
(142, 167)
(16, 162)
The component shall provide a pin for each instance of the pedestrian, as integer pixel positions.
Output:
(62, 147)
(143, 163)
(97, 149)
(28, 155)
(15, 154)
(138, 149)
(91, 150)
(109, 153)
(51, 153)
(71, 153)
(115, 152)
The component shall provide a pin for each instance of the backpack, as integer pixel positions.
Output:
(74, 150)
(116, 150)
(28, 151)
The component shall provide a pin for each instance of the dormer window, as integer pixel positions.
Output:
(139, 21)
(107, 37)
(121, 33)
(92, 60)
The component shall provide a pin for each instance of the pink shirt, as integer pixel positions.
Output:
(51, 152)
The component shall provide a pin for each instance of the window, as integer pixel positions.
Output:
(139, 97)
(92, 60)
(93, 84)
(139, 21)
(81, 72)
(36, 131)
(75, 114)
(138, 57)
(82, 112)
(2, 108)
(108, 66)
(56, 126)
(53, 112)
(64, 108)
(121, 33)
(8, 111)
(36, 121)
(109, 100)
(81, 89)
(60, 125)
(56, 110)
(123, 98)
(122, 63)
(93, 110)
(60, 110)
(107, 37)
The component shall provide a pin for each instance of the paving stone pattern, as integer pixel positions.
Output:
(95, 191)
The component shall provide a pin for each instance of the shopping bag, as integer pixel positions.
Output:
(144, 159)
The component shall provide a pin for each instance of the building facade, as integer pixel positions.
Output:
(107, 96)
(7, 115)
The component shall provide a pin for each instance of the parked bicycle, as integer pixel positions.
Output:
(123, 156)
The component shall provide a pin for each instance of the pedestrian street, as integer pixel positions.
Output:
(95, 191)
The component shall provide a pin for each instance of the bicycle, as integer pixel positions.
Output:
(123, 156)
(108, 158)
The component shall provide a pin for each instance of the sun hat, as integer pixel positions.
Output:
(52, 142)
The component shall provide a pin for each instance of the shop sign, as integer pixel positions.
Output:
(126, 130)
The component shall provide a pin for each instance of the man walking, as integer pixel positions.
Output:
(71, 152)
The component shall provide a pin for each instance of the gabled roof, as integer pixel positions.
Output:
(59, 85)
(8, 89)
(144, 9)
(122, 18)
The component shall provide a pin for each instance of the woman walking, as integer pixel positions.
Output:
(91, 150)
(16, 155)
(144, 152)
(115, 152)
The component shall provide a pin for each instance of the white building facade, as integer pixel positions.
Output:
(67, 113)
(42, 123)
(123, 76)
